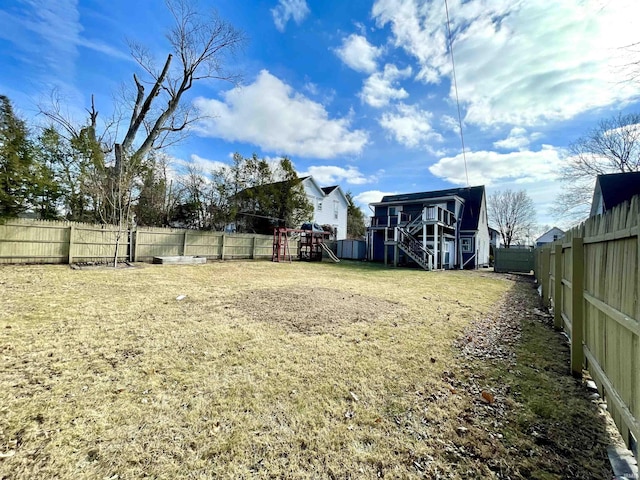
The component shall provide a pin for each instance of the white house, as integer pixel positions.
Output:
(550, 236)
(330, 206)
(495, 239)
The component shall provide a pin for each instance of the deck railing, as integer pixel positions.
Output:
(429, 214)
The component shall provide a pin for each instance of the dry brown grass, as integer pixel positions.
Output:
(263, 371)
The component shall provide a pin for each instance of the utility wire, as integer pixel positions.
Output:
(455, 86)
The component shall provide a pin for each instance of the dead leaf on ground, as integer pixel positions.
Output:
(488, 397)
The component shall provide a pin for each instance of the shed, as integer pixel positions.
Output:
(352, 249)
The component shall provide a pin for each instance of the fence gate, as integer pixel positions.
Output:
(514, 260)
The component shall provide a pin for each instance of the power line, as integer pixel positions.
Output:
(455, 87)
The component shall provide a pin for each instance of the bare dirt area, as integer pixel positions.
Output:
(315, 310)
(261, 370)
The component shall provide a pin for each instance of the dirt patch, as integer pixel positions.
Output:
(315, 310)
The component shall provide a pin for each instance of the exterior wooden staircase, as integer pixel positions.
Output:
(414, 248)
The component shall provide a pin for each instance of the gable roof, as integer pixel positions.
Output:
(552, 231)
(328, 190)
(472, 197)
(613, 189)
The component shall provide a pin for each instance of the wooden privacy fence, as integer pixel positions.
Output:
(590, 278)
(513, 260)
(34, 241)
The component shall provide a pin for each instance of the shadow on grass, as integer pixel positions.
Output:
(547, 426)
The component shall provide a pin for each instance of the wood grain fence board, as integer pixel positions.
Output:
(32, 241)
(610, 302)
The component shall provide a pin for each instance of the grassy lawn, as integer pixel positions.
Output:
(277, 371)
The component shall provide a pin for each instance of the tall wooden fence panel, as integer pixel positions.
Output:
(514, 260)
(597, 303)
(32, 241)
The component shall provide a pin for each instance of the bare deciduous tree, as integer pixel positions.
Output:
(613, 146)
(513, 214)
(200, 44)
(200, 48)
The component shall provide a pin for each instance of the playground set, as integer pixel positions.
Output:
(312, 244)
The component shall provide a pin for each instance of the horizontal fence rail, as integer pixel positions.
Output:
(590, 278)
(37, 241)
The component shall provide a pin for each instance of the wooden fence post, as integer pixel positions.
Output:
(545, 274)
(557, 290)
(577, 306)
(253, 248)
(71, 232)
(134, 244)
(184, 243)
(222, 249)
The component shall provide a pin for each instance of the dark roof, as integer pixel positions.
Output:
(618, 187)
(328, 190)
(472, 197)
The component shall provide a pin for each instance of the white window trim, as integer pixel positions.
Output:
(466, 244)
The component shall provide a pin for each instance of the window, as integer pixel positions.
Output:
(555, 237)
(335, 209)
(394, 211)
(319, 205)
(467, 245)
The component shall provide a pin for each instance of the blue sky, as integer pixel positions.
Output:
(357, 93)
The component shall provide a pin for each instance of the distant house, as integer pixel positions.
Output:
(330, 206)
(613, 189)
(435, 230)
(550, 236)
(495, 238)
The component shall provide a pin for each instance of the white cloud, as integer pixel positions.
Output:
(518, 139)
(286, 10)
(520, 63)
(206, 165)
(270, 114)
(379, 89)
(410, 126)
(331, 175)
(450, 123)
(371, 196)
(487, 168)
(357, 53)
(46, 36)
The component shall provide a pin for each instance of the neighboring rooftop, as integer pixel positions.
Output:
(328, 190)
(613, 189)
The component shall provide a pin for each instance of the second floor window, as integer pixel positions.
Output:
(467, 245)
(335, 209)
(319, 205)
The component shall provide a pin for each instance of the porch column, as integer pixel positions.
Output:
(435, 244)
(386, 249)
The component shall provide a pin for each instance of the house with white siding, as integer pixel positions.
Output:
(330, 206)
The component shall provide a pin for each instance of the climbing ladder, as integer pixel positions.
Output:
(280, 245)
